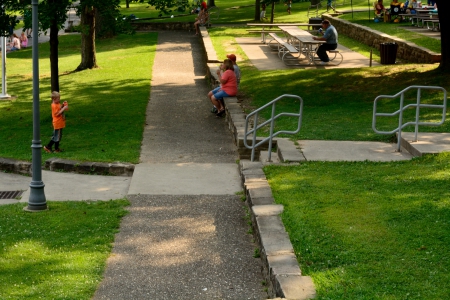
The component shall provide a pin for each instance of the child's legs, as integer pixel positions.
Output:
(57, 136)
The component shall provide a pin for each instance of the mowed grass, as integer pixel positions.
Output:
(338, 103)
(367, 230)
(107, 104)
(59, 253)
(361, 230)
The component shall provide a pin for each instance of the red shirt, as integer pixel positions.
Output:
(230, 86)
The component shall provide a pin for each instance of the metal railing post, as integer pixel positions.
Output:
(416, 129)
(402, 108)
(271, 121)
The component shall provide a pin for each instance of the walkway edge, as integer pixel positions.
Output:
(65, 165)
(280, 266)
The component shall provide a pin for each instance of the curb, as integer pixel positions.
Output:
(280, 266)
(58, 164)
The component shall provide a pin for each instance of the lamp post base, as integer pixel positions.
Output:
(37, 201)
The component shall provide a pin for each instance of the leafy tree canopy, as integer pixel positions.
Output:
(168, 6)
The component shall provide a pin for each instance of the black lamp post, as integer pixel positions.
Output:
(37, 201)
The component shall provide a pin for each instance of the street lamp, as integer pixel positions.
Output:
(36, 201)
(3, 95)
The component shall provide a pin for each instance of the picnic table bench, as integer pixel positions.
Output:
(283, 47)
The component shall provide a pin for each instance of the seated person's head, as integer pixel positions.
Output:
(228, 64)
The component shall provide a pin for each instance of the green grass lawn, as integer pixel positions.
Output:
(107, 105)
(338, 103)
(59, 253)
(367, 230)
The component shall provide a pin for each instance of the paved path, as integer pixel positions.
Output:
(185, 236)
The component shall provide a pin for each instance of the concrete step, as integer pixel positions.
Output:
(427, 143)
(288, 152)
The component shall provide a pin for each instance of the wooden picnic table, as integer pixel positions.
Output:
(266, 27)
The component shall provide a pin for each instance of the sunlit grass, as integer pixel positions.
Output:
(338, 103)
(367, 230)
(59, 253)
(107, 104)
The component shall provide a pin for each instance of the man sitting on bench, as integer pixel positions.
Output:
(330, 35)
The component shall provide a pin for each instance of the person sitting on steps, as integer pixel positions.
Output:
(227, 88)
(201, 19)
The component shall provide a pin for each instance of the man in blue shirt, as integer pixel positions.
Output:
(330, 35)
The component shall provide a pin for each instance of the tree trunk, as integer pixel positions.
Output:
(128, 4)
(257, 10)
(272, 13)
(87, 22)
(54, 69)
(443, 9)
(211, 3)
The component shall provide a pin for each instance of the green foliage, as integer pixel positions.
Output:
(109, 20)
(167, 7)
(369, 230)
(59, 253)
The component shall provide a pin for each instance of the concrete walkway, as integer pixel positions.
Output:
(185, 236)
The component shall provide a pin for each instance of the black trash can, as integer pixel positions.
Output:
(388, 53)
(317, 21)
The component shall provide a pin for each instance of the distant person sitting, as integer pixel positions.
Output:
(396, 8)
(201, 20)
(15, 43)
(23, 40)
(379, 8)
(330, 35)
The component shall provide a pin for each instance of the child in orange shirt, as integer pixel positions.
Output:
(59, 122)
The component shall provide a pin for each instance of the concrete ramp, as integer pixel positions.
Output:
(185, 179)
(351, 151)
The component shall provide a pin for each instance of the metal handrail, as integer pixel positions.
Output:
(271, 121)
(402, 108)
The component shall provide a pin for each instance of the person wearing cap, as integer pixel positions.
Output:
(237, 71)
(330, 36)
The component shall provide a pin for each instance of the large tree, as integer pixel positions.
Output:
(98, 17)
(257, 10)
(52, 16)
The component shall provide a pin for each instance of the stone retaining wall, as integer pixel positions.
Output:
(406, 50)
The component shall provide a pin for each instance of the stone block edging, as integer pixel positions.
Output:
(65, 165)
(406, 50)
(280, 266)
